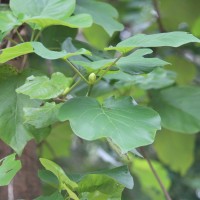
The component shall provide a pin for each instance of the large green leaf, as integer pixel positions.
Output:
(171, 39)
(103, 14)
(179, 108)
(136, 62)
(12, 129)
(171, 145)
(58, 9)
(8, 169)
(45, 13)
(43, 116)
(76, 21)
(129, 126)
(41, 87)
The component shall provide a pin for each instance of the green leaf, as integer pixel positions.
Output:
(179, 108)
(100, 187)
(147, 180)
(16, 51)
(128, 126)
(38, 48)
(54, 196)
(12, 130)
(55, 9)
(43, 116)
(171, 145)
(102, 13)
(156, 79)
(59, 173)
(136, 62)
(7, 22)
(41, 87)
(8, 169)
(76, 21)
(120, 174)
(171, 39)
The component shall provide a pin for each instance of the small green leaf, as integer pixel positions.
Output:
(8, 169)
(171, 39)
(41, 87)
(102, 13)
(128, 126)
(59, 173)
(179, 108)
(54, 196)
(43, 116)
(171, 145)
(136, 62)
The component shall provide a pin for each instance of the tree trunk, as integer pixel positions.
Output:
(26, 184)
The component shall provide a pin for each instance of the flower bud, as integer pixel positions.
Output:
(92, 78)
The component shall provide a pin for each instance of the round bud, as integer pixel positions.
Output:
(92, 78)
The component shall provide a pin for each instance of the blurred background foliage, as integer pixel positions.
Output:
(175, 154)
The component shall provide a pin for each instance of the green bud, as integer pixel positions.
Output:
(92, 78)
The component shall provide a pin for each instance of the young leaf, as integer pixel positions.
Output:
(43, 116)
(102, 13)
(8, 169)
(59, 173)
(127, 125)
(171, 39)
(41, 87)
(170, 145)
(179, 108)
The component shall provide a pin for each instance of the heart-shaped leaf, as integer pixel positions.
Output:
(129, 126)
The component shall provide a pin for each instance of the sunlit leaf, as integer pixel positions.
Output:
(54, 196)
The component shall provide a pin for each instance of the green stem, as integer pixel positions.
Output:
(37, 36)
(167, 196)
(89, 90)
(76, 70)
(108, 68)
(12, 41)
(32, 35)
(71, 88)
(20, 37)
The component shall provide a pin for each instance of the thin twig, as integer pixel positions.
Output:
(19, 35)
(108, 68)
(89, 90)
(167, 196)
(37, 36)
(159, 21)
(76, 70)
